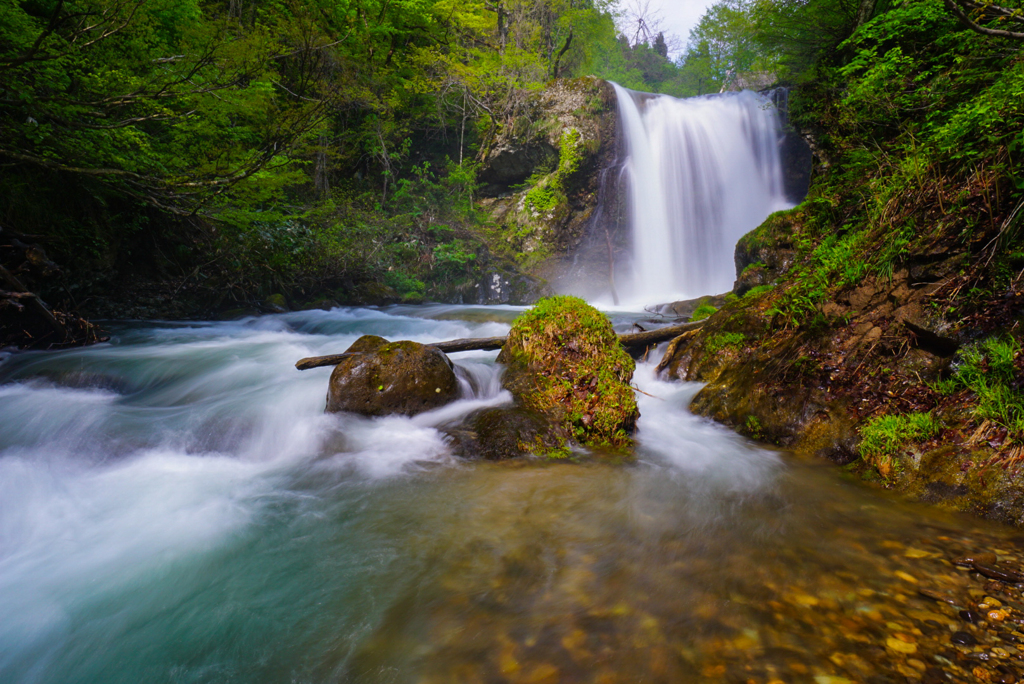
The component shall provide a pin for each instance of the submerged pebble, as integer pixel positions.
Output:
(963, 639)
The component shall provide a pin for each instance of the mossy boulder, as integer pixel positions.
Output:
(382, 378)
(275, 303)
(565, 363)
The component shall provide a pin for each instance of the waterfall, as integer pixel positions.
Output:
(700, 173)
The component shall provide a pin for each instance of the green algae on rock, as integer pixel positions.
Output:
(382, 378)
(565, 362)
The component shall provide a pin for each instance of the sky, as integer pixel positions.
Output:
(677, 16)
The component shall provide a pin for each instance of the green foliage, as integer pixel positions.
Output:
(992, 370)
(797, 36)
(703, 311)
(405, 285)
(721, 46)
(835, 262)
(884, 438)
(752, 427)
(311, 143)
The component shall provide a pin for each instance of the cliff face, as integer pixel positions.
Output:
(547, 186)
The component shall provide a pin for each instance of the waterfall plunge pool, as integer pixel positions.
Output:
(176, 507)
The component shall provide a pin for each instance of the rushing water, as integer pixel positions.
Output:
(176, 507)
(701, 172)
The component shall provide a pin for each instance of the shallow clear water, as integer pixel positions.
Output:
(175, 507)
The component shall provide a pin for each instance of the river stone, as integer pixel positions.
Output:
(403, 378)
(367, 343)
(564, 361)
(276, 303)
(500, 433)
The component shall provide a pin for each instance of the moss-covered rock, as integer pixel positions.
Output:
(382, 378)
(275, 303)
(565, 362)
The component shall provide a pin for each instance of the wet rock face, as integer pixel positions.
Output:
(562, 228)
(500, 433)
(382, 378)
(686, 307)
(763, 255)
(511, 163)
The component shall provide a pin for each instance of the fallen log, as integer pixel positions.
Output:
(630, 341)
(649, 337)
(34, 303)
(471, 344)
(317, 361)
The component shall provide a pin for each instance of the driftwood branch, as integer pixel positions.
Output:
(630, 341)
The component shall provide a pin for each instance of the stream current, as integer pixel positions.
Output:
(176, 507)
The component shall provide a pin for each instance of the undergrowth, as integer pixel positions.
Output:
(993, 370)
(724, 340)
(884, 438)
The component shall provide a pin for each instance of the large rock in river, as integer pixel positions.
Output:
(564, 362)
(381, 378)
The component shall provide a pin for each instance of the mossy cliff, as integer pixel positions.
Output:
(542, 179)
(564, 361)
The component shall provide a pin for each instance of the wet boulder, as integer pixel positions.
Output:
(500, 433)
(564, 362)
(380, 378)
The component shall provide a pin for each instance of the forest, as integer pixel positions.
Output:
(222, 152)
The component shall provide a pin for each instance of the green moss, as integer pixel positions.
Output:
(565, 361)
(757, 291)
(774, 230)
(548, 194)
(545, 197)
(724, 340)
(570, 153)
(703, 311)
(755, 266)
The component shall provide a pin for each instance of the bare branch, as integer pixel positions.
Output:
(957, 7)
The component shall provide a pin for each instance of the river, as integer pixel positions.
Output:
(176, 507)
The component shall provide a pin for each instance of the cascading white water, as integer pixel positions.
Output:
(700, 173)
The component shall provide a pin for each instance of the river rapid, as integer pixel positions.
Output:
(176, 507)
